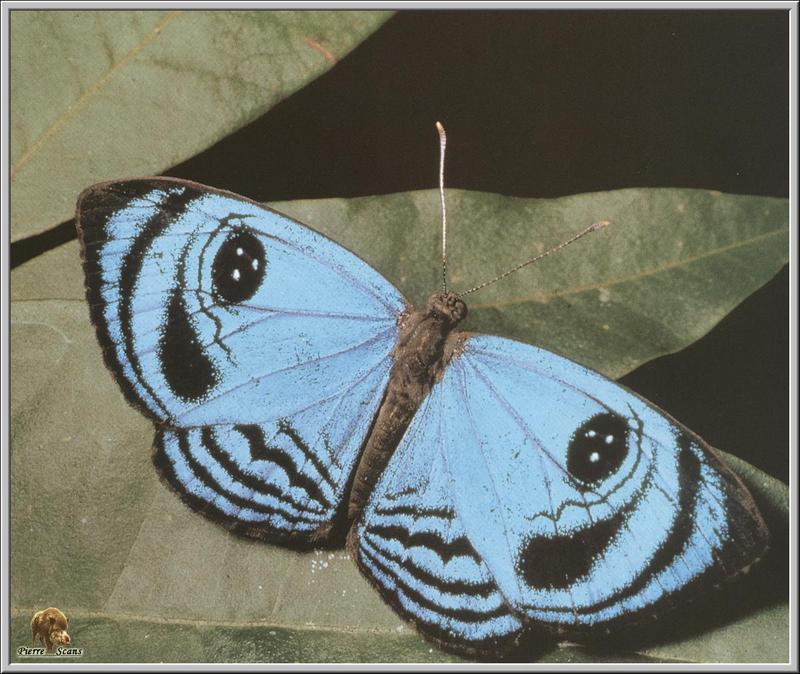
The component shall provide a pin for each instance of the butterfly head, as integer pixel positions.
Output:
(448, 307)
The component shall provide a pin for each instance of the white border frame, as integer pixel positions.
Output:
(5, 648)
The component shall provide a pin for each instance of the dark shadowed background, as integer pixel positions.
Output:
(551, 103)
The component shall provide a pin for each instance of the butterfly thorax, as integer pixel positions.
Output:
(420, 357)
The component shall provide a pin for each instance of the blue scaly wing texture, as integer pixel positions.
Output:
(260, 349)
(411, 543)
(535, 491)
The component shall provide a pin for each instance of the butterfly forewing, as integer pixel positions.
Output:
(260, 349)
(583, 506)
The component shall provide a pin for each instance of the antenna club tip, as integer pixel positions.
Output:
(440, 129)
(600, 224)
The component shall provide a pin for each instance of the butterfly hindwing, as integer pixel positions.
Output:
(411, 543)
(579, 503)
(259, 348)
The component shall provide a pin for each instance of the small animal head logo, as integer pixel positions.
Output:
(50, 625)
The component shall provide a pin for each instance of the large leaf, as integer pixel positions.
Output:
(145, 579)
(672, 263)
(669, 267)
(127, 93)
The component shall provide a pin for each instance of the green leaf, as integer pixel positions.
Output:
(671, 265)
(146, 579)
(126, 93)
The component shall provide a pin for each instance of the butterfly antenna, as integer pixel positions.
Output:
(442, 147)
(591, 228)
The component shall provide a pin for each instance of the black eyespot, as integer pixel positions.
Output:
(597, 448)
(239, 267)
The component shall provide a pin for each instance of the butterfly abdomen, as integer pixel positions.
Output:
(419, 361)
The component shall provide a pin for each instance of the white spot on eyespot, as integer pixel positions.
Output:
(591, 434)
(609, 439)
(260, 587)
(604, 295)
(254, 264)
(594, 457)
(236, 275)
(239, 251)
(84, 520)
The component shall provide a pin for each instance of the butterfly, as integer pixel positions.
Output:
(485, 486)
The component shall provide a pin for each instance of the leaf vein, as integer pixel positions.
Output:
(72, 110)
(543, 298)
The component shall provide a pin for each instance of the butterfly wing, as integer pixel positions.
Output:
(530, 490)
(411, 543)
(260, 349)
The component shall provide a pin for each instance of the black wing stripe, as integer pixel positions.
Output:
(254, 483)
(94, 212)
(288, 430)
(260, 450)
(424, 576)
(461, 614)
(678, 538)
(458, 547)
(172, 208)
(416, 512)
(166, 468)
(199, 470)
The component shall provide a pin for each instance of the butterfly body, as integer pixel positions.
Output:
(420, 357)
(486, 486)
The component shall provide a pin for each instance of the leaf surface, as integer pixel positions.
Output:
(128, 93)
(669, 267)
(145, 579)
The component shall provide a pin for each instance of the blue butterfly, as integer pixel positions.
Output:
(485, 486)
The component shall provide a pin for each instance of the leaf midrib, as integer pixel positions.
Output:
(117, 616)
(543, 298)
